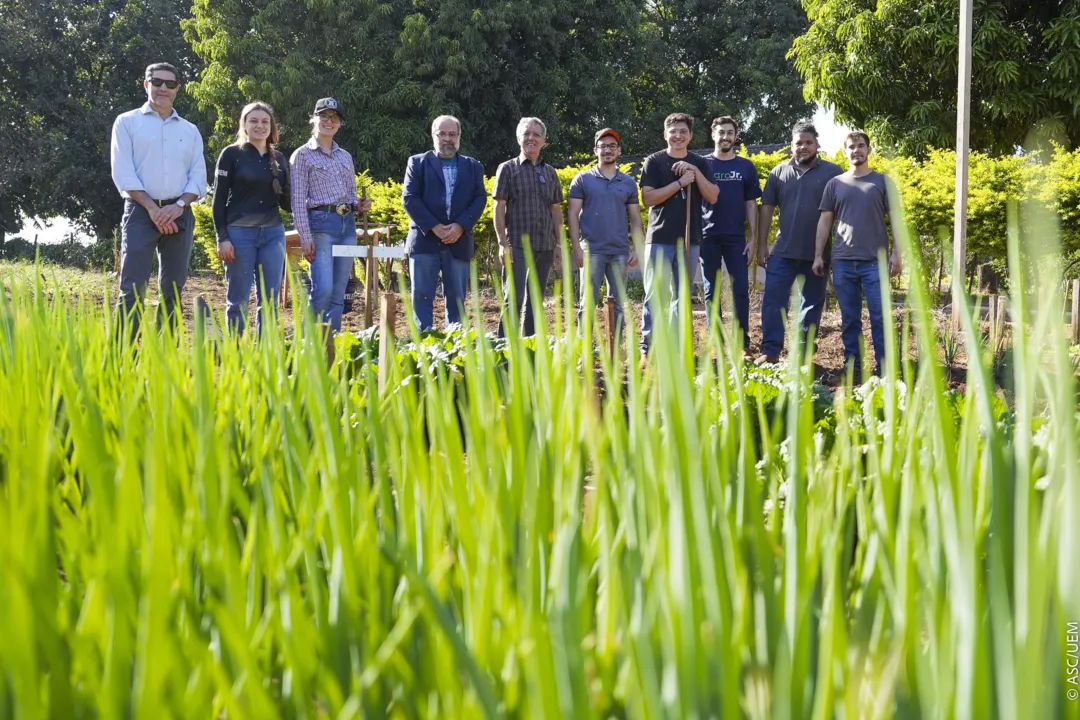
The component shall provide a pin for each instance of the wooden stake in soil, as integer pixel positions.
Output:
(387, 351)
(1074, 324)
(328, 337)
(369, 279)
(999, 323)
(612, 331)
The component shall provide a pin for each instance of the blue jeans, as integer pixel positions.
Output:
(780, 276)
(729, 249)
(852, 279)
(611, 266)
(330, 275)
(260, 259)
(424, 276)
(661, 275)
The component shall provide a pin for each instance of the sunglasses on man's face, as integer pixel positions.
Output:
(171, 84)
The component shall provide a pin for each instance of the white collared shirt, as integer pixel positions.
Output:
(161, 157)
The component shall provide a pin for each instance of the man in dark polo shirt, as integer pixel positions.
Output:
(796, 187)
(858, 201)
(668, 178)
(726, 223)
(528, 208)
(602, 200)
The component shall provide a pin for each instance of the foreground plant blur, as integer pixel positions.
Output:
(203, 529)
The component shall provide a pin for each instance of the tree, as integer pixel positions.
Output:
(67, 68)
(718, 57)
(891, 67)
(399, 64)
(290, 54)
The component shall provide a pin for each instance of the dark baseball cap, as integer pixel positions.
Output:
(329, 104)
(607, 131)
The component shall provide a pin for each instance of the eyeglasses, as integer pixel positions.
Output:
(607, 146)
(171, 84)
(447, 135)
(334, 118)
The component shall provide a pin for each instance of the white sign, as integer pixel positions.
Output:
(361, 251)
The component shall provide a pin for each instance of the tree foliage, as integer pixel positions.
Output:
(718, 57)
(890, 66)
(67, 68)
(402, 63)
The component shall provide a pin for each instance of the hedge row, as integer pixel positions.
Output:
(1051, 182)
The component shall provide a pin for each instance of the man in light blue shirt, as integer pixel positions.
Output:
(159, 169)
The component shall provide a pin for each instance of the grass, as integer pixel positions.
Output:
(199, 529)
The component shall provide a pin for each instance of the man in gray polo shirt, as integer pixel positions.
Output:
(602, 200)
(858, 201)
(796, 187)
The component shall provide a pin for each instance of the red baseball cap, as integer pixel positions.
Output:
(607, 131)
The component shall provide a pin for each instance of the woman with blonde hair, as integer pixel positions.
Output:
(252, 184)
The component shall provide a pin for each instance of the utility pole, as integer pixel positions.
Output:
(963, 134)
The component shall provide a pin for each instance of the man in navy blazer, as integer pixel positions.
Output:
(444, 197)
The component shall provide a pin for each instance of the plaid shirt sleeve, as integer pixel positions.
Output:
(351, 184)
(299, 181)
(502, 182)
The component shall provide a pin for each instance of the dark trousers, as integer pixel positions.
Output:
(780, 276)
(522, 302)
(140, 240)
(730, 250)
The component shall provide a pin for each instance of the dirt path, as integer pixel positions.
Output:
(829, 361)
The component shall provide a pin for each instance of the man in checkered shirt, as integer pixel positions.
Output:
(528, 208)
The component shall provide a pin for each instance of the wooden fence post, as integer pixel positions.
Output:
(1074, 321)
(370, 280)
(387, 349)
(996, 322)
(999, 319)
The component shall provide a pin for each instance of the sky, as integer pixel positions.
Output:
(830, 136)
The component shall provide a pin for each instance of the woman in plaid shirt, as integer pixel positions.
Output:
(324, 184)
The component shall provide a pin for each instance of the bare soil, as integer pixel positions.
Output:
(829, 361)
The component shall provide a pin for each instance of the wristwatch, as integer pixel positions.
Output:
(180, 202)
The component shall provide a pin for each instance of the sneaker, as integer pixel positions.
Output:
(766, 360)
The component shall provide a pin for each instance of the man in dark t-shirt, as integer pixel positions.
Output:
(794, 188)
(725, 224)
(674, 182)
(857, 201)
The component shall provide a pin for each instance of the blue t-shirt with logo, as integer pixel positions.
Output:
(738, 182)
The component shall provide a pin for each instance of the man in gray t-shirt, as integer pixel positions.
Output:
(794, 188)
(857, 202)
(604, 213)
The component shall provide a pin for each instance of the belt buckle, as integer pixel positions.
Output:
(343, 209)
